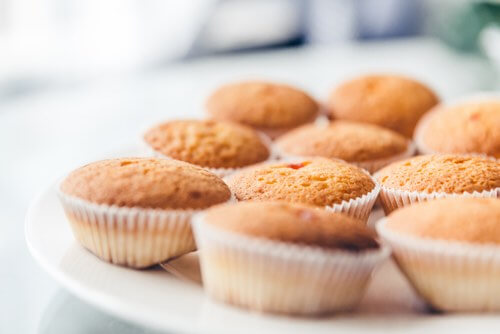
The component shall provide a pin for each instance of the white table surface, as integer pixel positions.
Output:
(44, 135)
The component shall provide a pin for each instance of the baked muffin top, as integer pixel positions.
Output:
(456, 219)
(208, 143)
(146, 183)
(349, 141)
(294, 223)
(316, 181)
(262, 104)
(390, 101)
(470, 127)
(446, 173)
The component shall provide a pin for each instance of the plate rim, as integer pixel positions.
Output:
(178, 323)
(106, 304)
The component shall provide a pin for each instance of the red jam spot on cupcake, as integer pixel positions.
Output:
(299, 165)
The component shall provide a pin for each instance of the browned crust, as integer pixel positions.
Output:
(349, 141)
(262, 104)
(471, 127)
(208, 143)
(442, 173)
(474, 220)
(294, 223)
(146, 183)
(315, 181)
(390, 101)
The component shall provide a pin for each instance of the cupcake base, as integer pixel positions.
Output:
(276, 277)
(449, 276)
(132, 237)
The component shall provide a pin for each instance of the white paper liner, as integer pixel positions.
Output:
(370, 165)
(220, 172)
(279, 277)
(133, 237)
(450, 275)
(359, 207)
(392, 199)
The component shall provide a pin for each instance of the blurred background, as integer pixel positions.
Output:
(81, 79)
(47, 44)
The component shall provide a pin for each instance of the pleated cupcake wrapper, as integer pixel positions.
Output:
(279, 277)
(359, 207)
(370, 165)
(450, 275)
(220, 172)
(392, 199)
(134, 237)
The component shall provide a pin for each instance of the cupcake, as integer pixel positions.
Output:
(394, 102)
(449, 249)
(433, 176)
(368, 146)
(136, 211)
(220, 147)
(268, 107)
(464, 128)
(285, 258)
(331, 184)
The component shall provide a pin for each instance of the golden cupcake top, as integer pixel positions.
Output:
(474, 220)
(349, 141)
(316, 181)
(293, 223)
(208, 143)
(391, 101)
(446, 173)
(469, 127)
(262, 104)
(146, 183)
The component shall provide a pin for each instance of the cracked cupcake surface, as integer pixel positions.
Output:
(208, 143)
(469, 127)
(315, 181)
(445, 173)
(391, 101)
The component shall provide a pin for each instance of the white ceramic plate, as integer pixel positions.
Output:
(160, 300)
